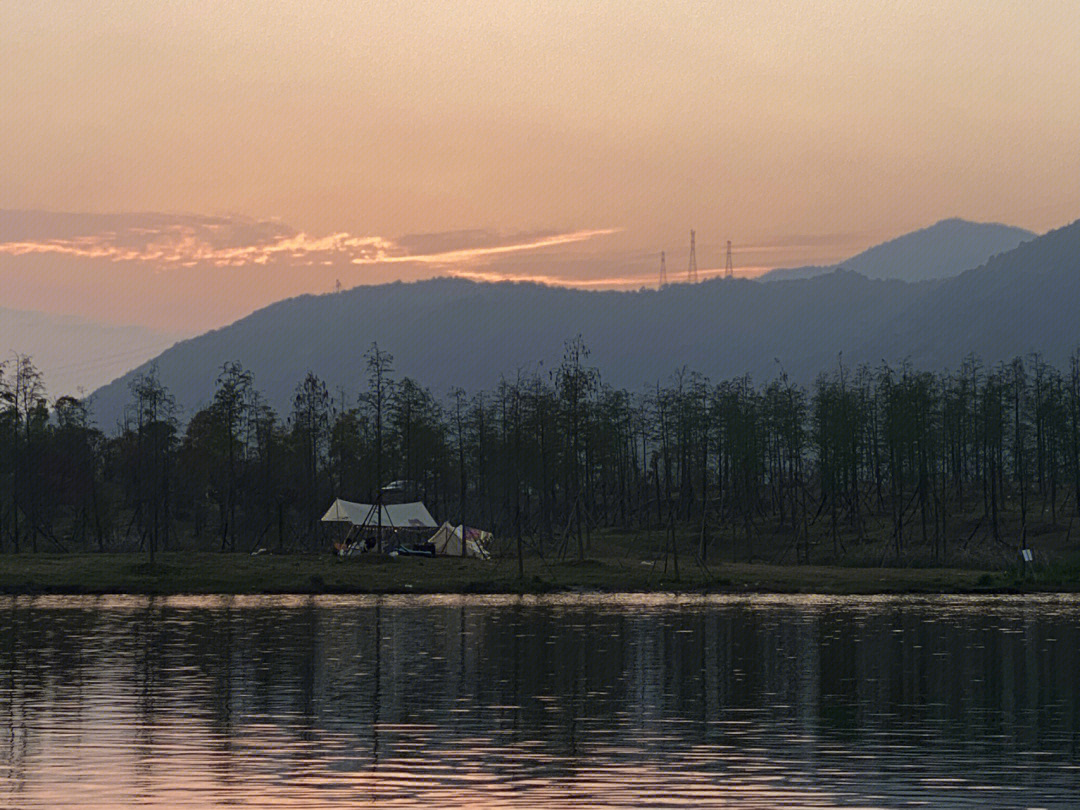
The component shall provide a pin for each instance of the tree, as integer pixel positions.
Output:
(26, 414)
(574, 383)
(380, 367)
(75, 466)
(232, 410)
(311, 417)
(151, 420)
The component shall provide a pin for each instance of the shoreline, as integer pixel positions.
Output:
(178, 573)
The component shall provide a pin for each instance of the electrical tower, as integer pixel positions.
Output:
(729, 268)
(663, 269)
(691, 272)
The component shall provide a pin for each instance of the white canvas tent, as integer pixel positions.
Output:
(447, 541)
(394, 515)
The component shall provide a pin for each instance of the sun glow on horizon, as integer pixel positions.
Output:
(561, 143)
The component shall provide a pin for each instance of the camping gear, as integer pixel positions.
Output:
(422, 550)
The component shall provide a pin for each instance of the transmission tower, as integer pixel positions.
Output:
(729, 267)
(691, 272)
(663, 269)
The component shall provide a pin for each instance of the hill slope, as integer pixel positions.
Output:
(1019, 302)
(448, 332)
(943, 250)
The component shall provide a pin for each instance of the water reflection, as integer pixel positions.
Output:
(534, 702)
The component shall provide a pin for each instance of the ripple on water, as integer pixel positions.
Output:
(612, 701)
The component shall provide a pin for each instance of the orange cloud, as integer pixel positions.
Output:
(187, 244)
(468, 255)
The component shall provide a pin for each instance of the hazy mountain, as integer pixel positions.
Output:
(1019, 302)
(447, 332)
(943, 250)
(796, 273)
(450, 332)
(76, 354)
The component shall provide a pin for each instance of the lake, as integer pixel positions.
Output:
(536, 702)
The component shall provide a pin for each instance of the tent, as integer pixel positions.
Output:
(447, 541)
(394, 515)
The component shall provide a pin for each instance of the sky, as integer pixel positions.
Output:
(213, 157)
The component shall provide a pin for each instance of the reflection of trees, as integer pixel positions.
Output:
(535, 688)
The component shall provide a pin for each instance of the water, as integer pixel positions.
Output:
(610, 702)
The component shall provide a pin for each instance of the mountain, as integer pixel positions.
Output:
(943, 250)
(448, 332)
(796, 273)
(1019, 302)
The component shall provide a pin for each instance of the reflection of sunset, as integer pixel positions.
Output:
(607, 701)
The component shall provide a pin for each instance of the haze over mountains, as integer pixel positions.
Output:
(943, 250)
(447, 333)
(75, 354)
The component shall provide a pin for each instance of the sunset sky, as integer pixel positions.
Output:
(283, 146)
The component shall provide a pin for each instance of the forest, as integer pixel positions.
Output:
(869, 465)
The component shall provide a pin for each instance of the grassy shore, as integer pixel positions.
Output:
(177, 573)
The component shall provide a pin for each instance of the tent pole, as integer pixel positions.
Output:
(378, 511)
(392, 526)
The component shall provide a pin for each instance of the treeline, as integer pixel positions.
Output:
(884, 464)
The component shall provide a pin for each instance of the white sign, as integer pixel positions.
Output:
(1026, 554)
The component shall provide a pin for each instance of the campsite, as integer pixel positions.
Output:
(401, 529)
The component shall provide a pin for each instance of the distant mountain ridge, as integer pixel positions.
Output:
(75, 353)
(447, 333)
(943, 250)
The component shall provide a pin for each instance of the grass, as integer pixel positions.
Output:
(207, 572)
(616, 561)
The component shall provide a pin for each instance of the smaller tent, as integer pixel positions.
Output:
(447, 541)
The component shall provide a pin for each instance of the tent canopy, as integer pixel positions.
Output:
(394, 515)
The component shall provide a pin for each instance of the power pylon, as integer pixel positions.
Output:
(691, 272)
(729, 267)
(663, 269)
